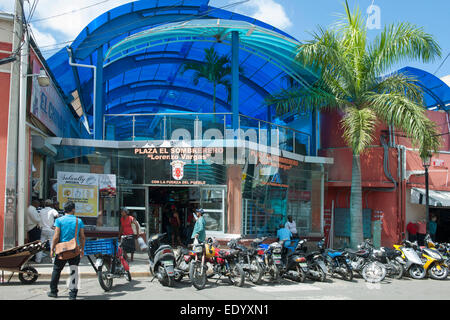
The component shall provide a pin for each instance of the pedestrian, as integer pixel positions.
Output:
(66, 228)
(33, 221)
(139, 234)
(191, 219)
(199, 233)
(291, 226)
(432, 227)
(126, 221)
(421, 232)
(175, 223)
(284, 234)
(48, 216)
(412, 231)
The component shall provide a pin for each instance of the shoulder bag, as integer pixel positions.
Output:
(68, 249)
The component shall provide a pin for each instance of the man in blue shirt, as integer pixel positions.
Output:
(199, 232)
(65, 231)
(284, 234)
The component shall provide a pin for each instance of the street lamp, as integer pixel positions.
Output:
(42, 78)
(426, 164)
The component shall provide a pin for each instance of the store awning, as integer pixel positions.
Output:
(436, 198)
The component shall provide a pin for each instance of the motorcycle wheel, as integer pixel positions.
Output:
(417, 272)
(348, 273)
(237, 274)
(128, 275)
(164, 278)
(28, 275)
(374, 272)
(198, 278)
(396, 270)
(301, 274)
(436, 273)
(102, 273)
(274, 273)
(256, 273)
(322, 276)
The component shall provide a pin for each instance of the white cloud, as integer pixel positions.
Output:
(43, 39)
(268, 11)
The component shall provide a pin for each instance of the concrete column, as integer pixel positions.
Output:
(234, 199)
(98, 103)
(235, 79)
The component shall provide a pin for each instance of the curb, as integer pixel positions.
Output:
(86, 275)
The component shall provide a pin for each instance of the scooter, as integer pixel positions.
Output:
(435, 263)
(162, 260)
(411, 261)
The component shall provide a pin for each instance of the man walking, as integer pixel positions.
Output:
(65, 231)
(48, 216)
(199, 233)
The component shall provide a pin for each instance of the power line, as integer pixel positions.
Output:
(441, 64)
(70, 12)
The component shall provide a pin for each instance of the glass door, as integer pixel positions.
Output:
(136, 200)
(212, 200)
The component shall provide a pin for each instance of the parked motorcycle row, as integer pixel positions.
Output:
(292, 260)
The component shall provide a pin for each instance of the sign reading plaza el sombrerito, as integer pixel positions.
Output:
(178, 157)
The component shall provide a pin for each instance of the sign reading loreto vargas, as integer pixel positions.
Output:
(46, 103)
(82, 189)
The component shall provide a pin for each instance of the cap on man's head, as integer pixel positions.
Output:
(48, 203)
(201, 211)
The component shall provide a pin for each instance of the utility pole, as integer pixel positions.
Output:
(10, 235)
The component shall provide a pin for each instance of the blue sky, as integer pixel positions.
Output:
(296, 17)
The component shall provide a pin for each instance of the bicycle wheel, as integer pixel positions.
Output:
(103, 275)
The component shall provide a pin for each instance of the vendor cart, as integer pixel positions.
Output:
(16, 260)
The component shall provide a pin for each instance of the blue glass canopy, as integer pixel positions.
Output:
(144, 76)
(436, 93)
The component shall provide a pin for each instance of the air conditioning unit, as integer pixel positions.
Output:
(43, 146)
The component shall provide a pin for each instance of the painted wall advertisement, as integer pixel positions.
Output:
(84, 189)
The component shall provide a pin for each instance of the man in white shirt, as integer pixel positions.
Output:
(291, 226)
(48, 216)
(33, 221)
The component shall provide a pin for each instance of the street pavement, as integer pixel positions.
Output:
(143, 288)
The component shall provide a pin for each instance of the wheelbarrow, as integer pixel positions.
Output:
(16, 260)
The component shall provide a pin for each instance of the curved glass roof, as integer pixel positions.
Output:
(436, 92)
(145, 43)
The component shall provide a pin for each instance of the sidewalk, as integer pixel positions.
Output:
(139, 267)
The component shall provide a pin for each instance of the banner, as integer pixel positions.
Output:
(82, 189)
(107, 185)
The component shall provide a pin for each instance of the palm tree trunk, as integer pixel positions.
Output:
(356, 216)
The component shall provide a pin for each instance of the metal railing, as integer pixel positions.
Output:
(161, 126)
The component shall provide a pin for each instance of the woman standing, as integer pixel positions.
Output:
(126, 229)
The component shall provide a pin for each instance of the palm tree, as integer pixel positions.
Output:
(215, 68)
(350, 78)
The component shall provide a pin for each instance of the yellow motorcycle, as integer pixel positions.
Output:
(434, 261)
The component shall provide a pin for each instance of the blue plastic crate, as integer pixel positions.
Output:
(101, 246)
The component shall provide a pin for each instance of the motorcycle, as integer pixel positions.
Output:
(112, 266)
(293, 264)
(434, 262)
(225, 262)
(364, 263)
(390, 258)
(197, 266)
(253, 267)
(162, 260)
(337, 261)
(183, 258)
(410, 259)
(316, 268)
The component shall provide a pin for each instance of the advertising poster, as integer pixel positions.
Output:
(107, 185)
(82, 189)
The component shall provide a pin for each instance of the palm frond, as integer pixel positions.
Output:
(359, 126)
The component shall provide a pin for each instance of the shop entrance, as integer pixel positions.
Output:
(443, 223)
(185, 200)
